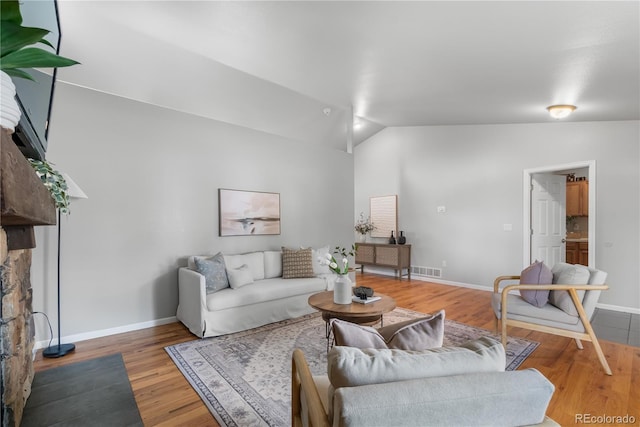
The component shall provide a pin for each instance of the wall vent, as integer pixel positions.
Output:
(426, 271)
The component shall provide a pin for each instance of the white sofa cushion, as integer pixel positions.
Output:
(272, 264)
(263, 290)
(349, 367)
(254, 260)
(475, 399)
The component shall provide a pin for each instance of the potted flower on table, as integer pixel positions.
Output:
(364, 226)
(342, 289)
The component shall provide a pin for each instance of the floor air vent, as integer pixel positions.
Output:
(426, 271)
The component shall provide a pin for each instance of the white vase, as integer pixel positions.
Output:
(363, 238)
(342, 290)
(9, 110)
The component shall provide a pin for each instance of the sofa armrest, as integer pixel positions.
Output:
(494, 398)
(192, 300)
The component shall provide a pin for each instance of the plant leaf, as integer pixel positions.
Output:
(10, 11)
(32, 57)
(14, 37)
(20, 73)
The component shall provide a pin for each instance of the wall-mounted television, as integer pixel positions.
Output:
(35, 98)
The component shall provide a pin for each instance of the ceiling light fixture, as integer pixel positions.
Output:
(560, 111)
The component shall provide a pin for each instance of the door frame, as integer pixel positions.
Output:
(526, 199)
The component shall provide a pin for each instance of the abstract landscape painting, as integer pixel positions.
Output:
(248, 212)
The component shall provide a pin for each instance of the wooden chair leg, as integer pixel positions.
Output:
(590, 332)
(579, 343)
(603, 360)
(504, 333)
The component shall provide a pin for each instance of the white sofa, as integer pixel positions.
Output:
(270, 298)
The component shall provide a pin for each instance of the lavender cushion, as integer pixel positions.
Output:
(536, 274)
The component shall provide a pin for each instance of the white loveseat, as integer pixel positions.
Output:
(269, 298)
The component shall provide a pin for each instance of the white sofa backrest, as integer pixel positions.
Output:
(598, 277)
(263, 265)
(272, 264)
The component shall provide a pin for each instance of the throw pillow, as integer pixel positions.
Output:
(240, 276)
(296, 263)
(568, 274)
(254, 260)
(414, 334)
(316, 256)
(214, 271)
(536, 274)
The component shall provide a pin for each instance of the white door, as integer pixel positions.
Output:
(548, 218)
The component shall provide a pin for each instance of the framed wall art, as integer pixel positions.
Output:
(247, 213)
(384, 215)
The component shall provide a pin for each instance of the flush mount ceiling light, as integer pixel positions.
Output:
(560, 111)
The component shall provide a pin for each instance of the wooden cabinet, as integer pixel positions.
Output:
(397, 257)
(578, 198)
(577, 253)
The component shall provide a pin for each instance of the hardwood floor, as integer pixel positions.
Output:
(165, 398)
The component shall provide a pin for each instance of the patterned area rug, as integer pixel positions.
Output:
(245, 378)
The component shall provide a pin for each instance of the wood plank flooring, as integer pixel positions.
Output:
(165, 398)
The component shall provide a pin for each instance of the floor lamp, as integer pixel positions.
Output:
(59, 350)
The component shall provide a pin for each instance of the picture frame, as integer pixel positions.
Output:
(384, 215)
(248, 213)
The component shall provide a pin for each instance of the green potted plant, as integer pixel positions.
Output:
(55, 183)
(18, 50)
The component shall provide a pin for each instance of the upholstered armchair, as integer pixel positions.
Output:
(566, 309)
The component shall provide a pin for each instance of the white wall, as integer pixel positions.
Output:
(152, 177)
(476, 172)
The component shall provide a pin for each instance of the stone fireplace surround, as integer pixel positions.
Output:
(24, 203)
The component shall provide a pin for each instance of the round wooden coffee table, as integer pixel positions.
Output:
(362, 314)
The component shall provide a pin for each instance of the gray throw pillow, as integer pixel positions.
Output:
(568, 274)
(214, 271)
(536, 274)
(414, 334)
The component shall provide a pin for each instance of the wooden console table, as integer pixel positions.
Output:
(397, 257)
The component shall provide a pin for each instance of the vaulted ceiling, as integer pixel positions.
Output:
(280, 67)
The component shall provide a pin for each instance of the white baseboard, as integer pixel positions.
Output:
(105, 332)
(618, 308)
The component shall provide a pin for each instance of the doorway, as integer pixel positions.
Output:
(586, 169)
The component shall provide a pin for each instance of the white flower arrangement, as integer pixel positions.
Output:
(364, 226)
(330, 261)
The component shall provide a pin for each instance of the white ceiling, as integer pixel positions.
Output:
(274, 66)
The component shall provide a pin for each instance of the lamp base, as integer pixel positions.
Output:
(58, 350)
